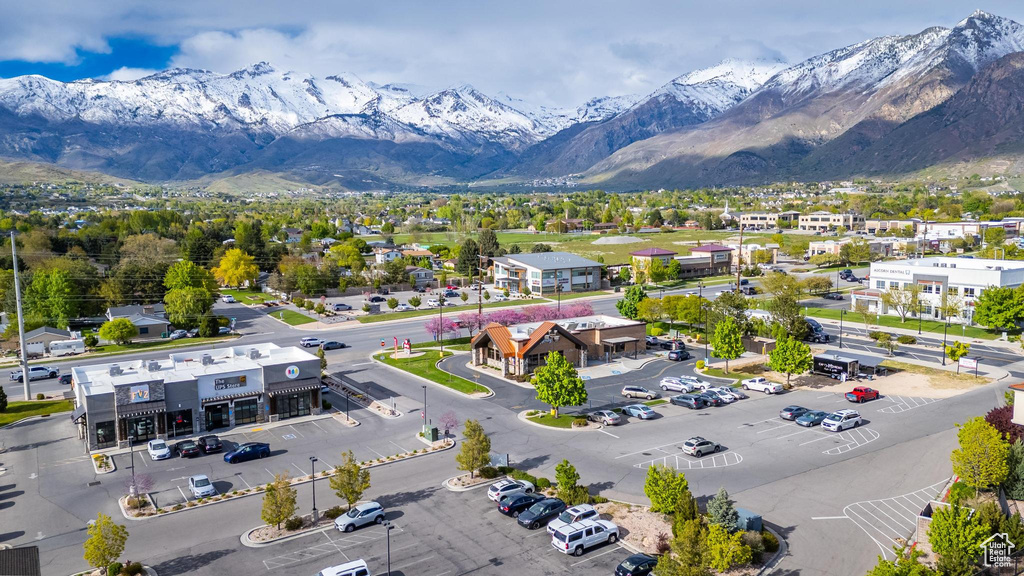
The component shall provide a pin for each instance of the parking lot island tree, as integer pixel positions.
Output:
(665, 488)
(982, 460)
(957, 350)
(721, 510)
(688, 552)
(558, 384)
(476, 448)
(278, 500)
(119, 331)
(105, 542)
(790, 356)
(569, 489)
(955, 531)
(726, 550)
(906, 563)
(629, 305)
(726, 341)
(350, 480)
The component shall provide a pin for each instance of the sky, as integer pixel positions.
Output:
(548, 52)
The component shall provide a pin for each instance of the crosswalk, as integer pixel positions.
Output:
(684, 462)
(335, 544)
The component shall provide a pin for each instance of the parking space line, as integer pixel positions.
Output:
(301, 471)
(607, 432)
(399, 447)
(649, 449)
(375, 452)
(271, 473)
(318, 426)
(802, 431)
(242, 478)
(182, 493)
(589, 558)
(327, 534)
(774, 428)
(413, 563)
(296, 431)
(826, 395)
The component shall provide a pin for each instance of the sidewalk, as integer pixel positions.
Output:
(911, 330)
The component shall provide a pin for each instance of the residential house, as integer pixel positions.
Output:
(294, 235)
(46, 335)
(150, 319)
(384, 255)
(543, 272)
(423, 276)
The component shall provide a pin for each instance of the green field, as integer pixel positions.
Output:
(248, 296)
(426, 367)
(292, 318)
(18, 410)
(155, 345)
(929, 326)
(447, 311)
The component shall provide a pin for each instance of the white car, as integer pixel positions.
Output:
(726, 391)
(310, 342)
(433, 303)
(675, 384)
(722, 395)
(200, 486)
(158, 450)
(178, 334)
(841, 420)
(505, 487)
(37, 373)
(697, 383)
(403, 308)
(228, 299)
(570, 515)
(499, 297)
(576, 537)
(360, 515)
(762, 385)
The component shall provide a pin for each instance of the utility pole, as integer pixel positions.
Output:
(21, 322)
(739, 263)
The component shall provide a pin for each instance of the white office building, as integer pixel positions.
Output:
(963, 278)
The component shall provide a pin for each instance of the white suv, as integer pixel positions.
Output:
(503, 488)
(762, 385)
(697, 383)
(576, 537)
(570, 515)
(724, 395)
(675, 384)
(841, 420)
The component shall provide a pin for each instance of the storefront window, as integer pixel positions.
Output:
(106, 434)
(292, 405)
(179, 423)
(245, 411)
(142, 428)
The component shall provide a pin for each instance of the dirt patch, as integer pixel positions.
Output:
(638, 526)
(902, 380)
(618, 240)
(465, 481)
(266, 533)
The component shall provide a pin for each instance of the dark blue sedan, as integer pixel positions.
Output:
(247, 451)
(811, 418)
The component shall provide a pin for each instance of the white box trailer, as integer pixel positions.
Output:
(67, 347)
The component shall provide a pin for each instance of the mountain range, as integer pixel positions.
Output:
(886, 106)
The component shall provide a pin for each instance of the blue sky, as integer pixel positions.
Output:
(556, 52)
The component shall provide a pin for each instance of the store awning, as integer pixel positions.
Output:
(279, 388)
(143, 409)
(620, 340)
(206, 401)
(77, 414)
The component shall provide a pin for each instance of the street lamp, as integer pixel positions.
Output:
(440, 322)
(347, 419)
(312, 474)
(842, 312)
(920, 312)
(389, 528)
(558, 293)
(131, 450)
(424, 409)
(945, 326)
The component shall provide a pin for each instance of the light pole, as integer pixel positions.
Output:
(389, 527)
(347, 419)
(920, 312)
(131, 450)
(440, 322)
(312, 474)
(842, 312)
(558, 293)
(424, 409)
(945, 326)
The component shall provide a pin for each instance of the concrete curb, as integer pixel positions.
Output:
(525, 385)
(111, 467)
(447, 486)
(146, 569)
(27, 418)
(522, 417)
(249, 543)
(779, 555)
(373, 357)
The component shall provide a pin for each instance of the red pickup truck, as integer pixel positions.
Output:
(862, 394)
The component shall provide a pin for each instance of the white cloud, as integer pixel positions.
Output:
(125, 74)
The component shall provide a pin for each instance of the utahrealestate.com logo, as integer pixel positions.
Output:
(998, 550)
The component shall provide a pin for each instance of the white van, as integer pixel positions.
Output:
(354, 568)
(67, 347)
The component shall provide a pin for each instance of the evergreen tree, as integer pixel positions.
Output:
(3, 400)
(721, 511)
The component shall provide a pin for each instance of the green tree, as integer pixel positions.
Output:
(105, 543)
(186, 306)
(955, 530)
(625, 274)
(981, 461)
(323, 360)
(278, 500)
(463, 296)
(558, 384)
(119, 331)
(1013, 484)
(468, 259)
(887, 342)
(674, 269)
(721, 511)
(779, 284)
(489, 243)
(999, 307)
(569, 489)
(904, 300)
(689, 552)
(209, 326)
(387, 228)
(236, 268)
(856, 251)
(656, 270)
(906, 563)
(350, 480)
(790, 357)
(726, 550)
(476, 448)
(392, 303)
(665, 487)
(415, 301)
(3, 400)
(629, 305)
(957, 350)
(726, 341)
(185, 274)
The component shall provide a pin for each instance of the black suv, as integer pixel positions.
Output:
(541, 513)
(209, 444)
(514, 504)
(691, 401)
(679, 355)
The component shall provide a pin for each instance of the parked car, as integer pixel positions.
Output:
(158, 450)
(37, 373)
(499, 297)
(223, 331)
(353, 568)
(451, 288)
(200, 486)
(675, 384)
(605, 417)
(841, 420)
(333, 345)
(744, 281)
(638, 392)
(570, 515)
(651, 341)
(210, 444)
(64, 379)
(672, 345)
(636, 565)
(748, 290)
(420, 289)
(193, 333)
(187, 449)
(678, 355)
(506, 487)
(844, 274)
(451, 294)
(697, 383)
(862, 394)
(403, 308)
(376, 299)
(710, 399)
(762, 384)
(575, 538)
(541, 513)
(811, 418)
(833, 296)
(691, 401)
(737, 392)
(178, 334)
(723, 396)
(699, 446)
(247, 451)
(514, 504)
(228, 299)
(793, 412)
(360, 515)
(639, 411)
(433, 303)
(341, 307)
(310, 342)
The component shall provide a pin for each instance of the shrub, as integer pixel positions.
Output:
(133, 569)
(114, 568)
(505, 469)
(579, 422)
(489, 472)
(876, 335)
(906, 339)
(655, 331)
(191, 504)
(771, 543)
(1002, 420)
(333, 512)
(293, 523)
(700, 364)
(959, 493)
(299, 301)
(543, 483)
(754, 541)
(91, 341)
(520, 475)
(324, 404)
(598, 500)
(663, 545)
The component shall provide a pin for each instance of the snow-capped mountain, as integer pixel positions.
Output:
(553, 120)
(713, 90)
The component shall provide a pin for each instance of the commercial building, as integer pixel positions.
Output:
(763, 220)
(754, 253)
(882, 226)
(822, 221)
(542, 272)
(193, 392)
(708, 260)
(962, 278)
(518, 350)
(642, 258)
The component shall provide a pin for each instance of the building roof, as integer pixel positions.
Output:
(418, 253)
(147, 320)
(711, 248)
(47, 330)
(500, 336)
(124, 311)
(21, 561)
(651, 252)
(946, 263)
(552, 260)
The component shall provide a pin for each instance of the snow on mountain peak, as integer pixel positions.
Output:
(715, 89)
(745, 74)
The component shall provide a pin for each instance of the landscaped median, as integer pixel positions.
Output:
(424, 365)
(21, 410)
(369, 319)
(572, 422)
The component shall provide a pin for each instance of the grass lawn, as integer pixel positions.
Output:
(425, 367)
(18, 410)
(930, 326)
(137, 346)
(292, 318)
(657, 402)
(575, 295)
(449, 343)
(452, 310)
(719, 373)
(248, 296)
(563, 420)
